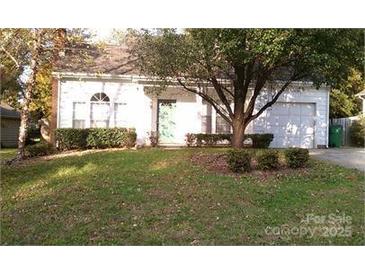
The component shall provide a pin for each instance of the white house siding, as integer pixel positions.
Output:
(188, 112)
(300, 102)
(136, 105)
(140, 108)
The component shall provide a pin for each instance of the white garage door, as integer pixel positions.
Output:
(292, 124)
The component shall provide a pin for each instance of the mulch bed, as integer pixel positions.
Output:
(217, 163)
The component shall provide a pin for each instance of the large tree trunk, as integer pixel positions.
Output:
(238, 132)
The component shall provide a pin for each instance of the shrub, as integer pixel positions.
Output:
(296, 157)
(40, 149)
(153, 136)
(357, 132)
(260, 140)
(268, 159)
(190, 139)
(239, 160)
(110, 137)
(71, 138)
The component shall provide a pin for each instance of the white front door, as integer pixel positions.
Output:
(292, 124)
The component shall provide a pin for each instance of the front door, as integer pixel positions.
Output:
(166, 121)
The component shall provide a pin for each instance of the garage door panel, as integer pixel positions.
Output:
(292, 124)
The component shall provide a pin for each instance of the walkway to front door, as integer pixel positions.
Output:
(166, 121)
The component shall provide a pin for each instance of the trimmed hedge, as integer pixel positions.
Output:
(296, 157)
(110, 137)
(239, 160)
(268, 160)
(72, 138)
(40, 149)
(202, 139)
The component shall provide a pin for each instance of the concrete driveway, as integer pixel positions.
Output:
(347, 157)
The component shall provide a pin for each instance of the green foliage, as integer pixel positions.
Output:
(296, 157)
(357, 132)
(110, 137)
(268, 160)
(239, 160)
(73, 138)
(343, 102)
(260, 140)
(40, 149)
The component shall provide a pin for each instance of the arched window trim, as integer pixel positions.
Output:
(100, 97)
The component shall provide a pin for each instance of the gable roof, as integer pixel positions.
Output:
(7, 111)
(114, 60)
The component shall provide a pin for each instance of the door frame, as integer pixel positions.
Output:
(158, 111)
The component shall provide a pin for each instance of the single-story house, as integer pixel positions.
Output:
(108, 92)
(10, 122)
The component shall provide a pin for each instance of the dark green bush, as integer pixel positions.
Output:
(268, 159)
(239, 160)
(202, 139)
(71, 138)
(109, 137)
(357, 133)
(260, 140)
(296, 157)
(40, 149)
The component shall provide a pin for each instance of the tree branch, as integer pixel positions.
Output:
(210, 100)
(273, 101)
(10, 56)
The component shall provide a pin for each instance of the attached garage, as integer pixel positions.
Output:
(292, 124)
(298, 119)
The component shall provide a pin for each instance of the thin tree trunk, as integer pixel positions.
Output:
(25, 115)
(28, 96)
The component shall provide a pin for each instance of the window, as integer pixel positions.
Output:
(221, 125)
(99, 110)
(206, 117)
(79, 115)
(120, 115)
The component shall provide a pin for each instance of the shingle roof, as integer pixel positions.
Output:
(108, 59)
(7, 111)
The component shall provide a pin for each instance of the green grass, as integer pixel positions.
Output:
(7, 153)
(157, 197)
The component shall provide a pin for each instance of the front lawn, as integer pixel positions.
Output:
(160, 197)
(7, 153)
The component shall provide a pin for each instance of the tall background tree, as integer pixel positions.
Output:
(343, 102)
(230, 68)
(27, 58)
